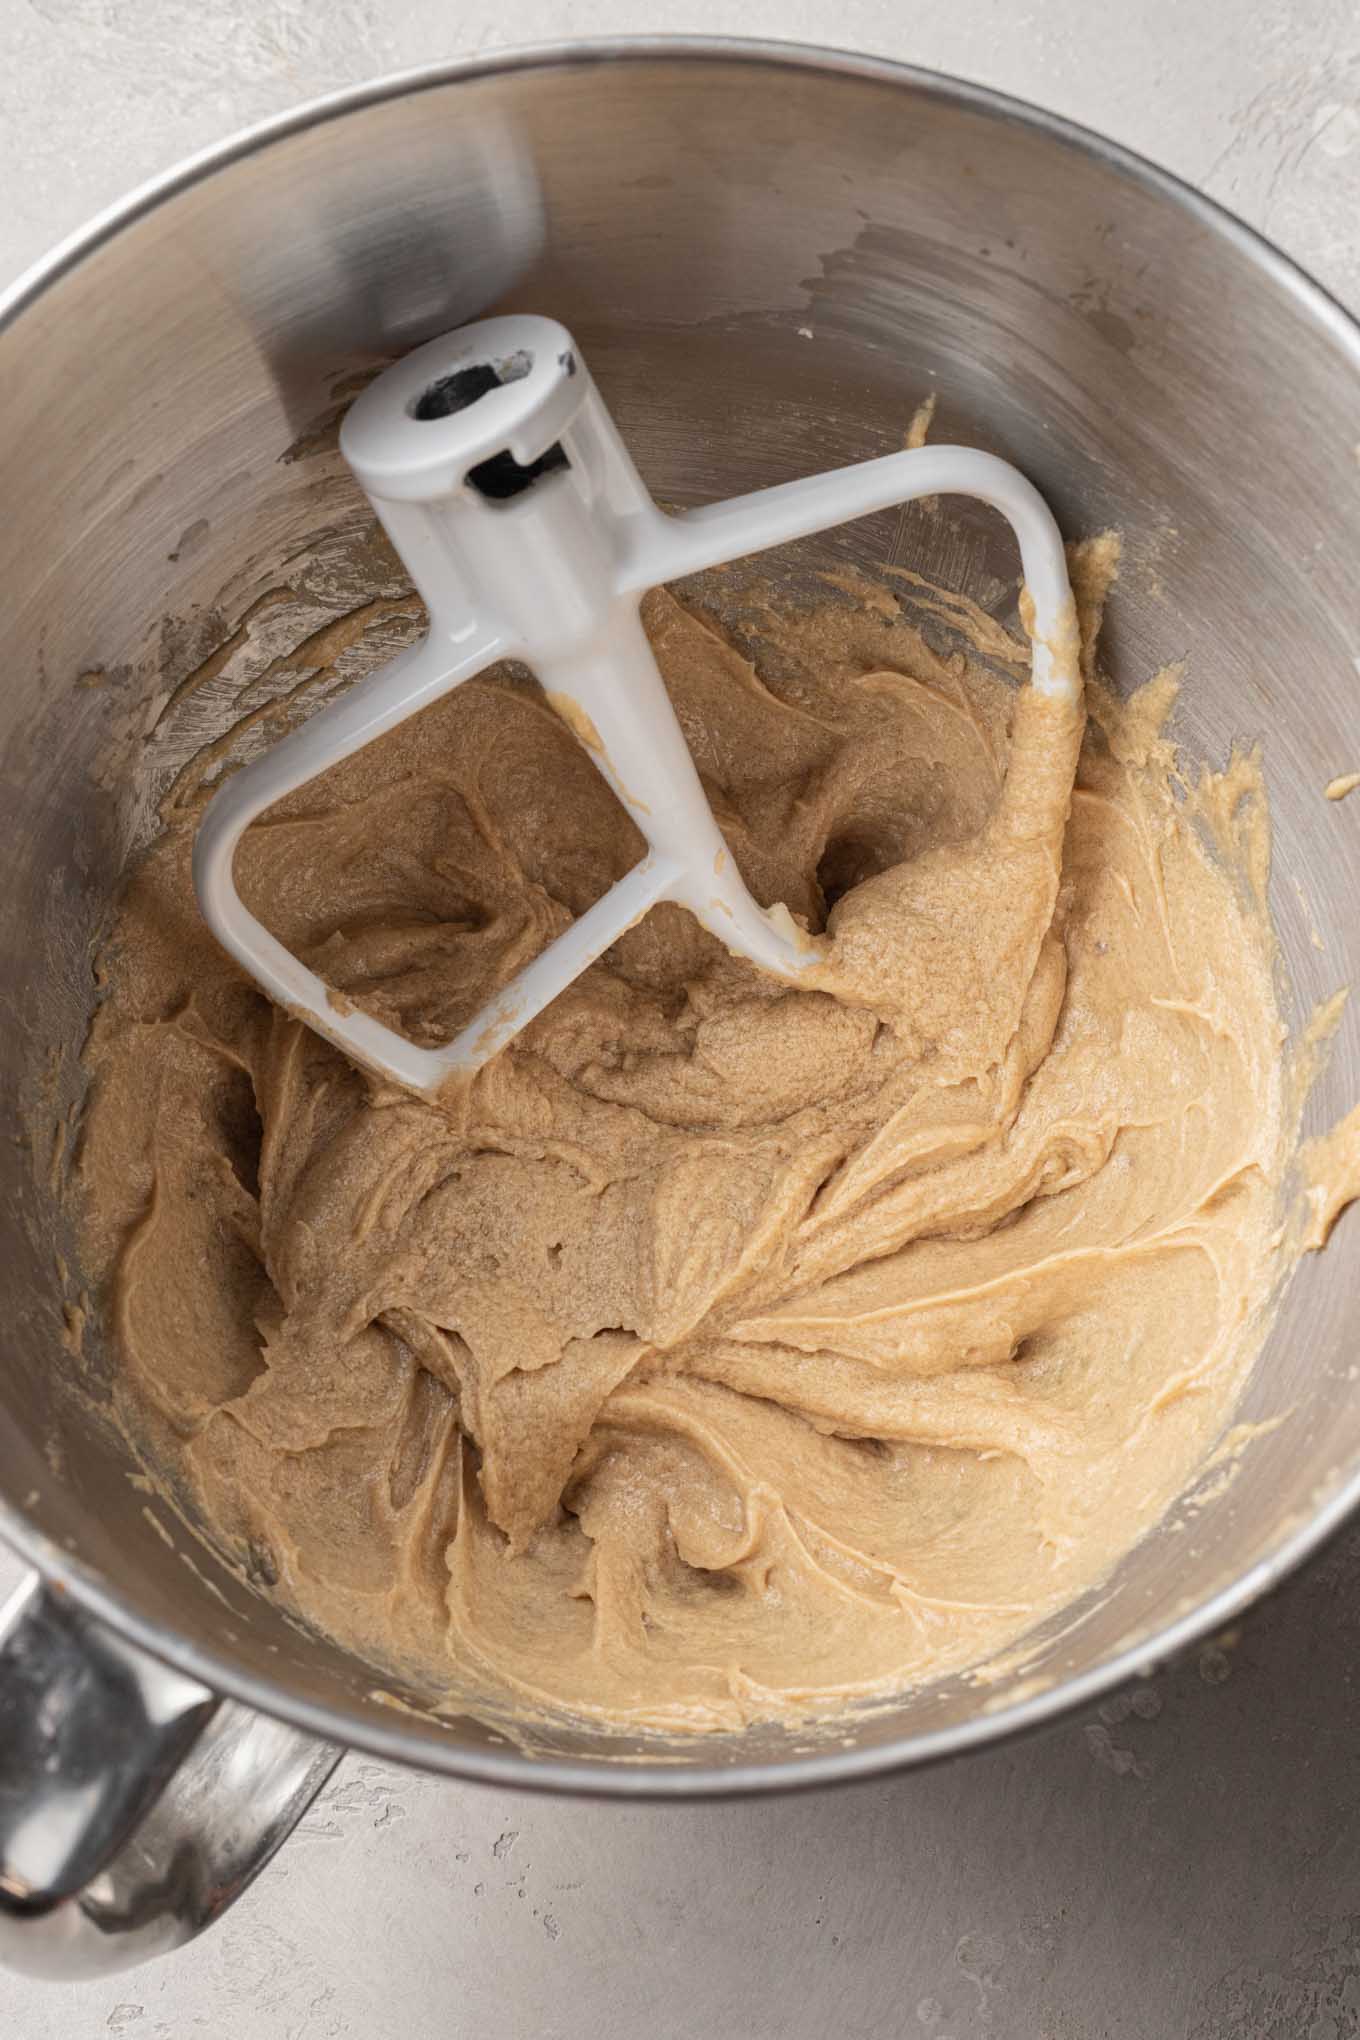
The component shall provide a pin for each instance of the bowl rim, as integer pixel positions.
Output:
(406, 1740)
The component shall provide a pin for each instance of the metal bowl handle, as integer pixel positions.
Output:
(135, 1804)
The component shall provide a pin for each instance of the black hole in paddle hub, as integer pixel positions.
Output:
(456, 392)
(500, 477)
(462, 387)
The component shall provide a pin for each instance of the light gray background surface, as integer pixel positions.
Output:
(1181, 1864)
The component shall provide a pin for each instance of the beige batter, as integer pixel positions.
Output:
(726, 1351)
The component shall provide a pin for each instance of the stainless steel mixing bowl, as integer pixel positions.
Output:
(770, 256)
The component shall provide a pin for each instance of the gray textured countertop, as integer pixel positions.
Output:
(1181, 1864)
